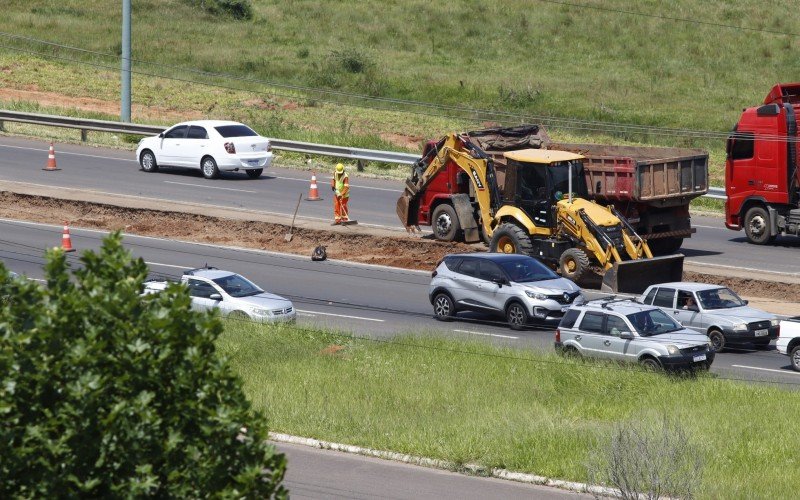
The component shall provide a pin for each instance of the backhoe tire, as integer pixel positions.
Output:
(756, 226)
(510, 238)
(573, 264)
(445, 223)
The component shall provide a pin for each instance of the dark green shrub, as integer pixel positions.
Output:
(107, 394)
(237, 9)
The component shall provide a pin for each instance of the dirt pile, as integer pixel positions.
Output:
(405, 252)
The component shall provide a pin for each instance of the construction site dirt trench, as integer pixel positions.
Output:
(402, 251)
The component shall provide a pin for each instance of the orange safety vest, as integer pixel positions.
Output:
(341, 183)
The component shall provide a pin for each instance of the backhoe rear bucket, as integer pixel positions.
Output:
(634, 276)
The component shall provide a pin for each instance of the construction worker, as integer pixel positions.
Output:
(340, 184)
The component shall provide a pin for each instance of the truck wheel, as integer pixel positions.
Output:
(665, 246)
(510, 238)
(445, 222)
(795, 358)
(756, 226)
(573, 263)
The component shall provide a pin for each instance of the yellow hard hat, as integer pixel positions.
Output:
(339, 168)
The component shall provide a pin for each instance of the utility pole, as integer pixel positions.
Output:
(125, 77)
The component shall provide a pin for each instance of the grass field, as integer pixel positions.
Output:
(520, 410)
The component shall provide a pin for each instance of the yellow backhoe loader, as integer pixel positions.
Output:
(544, 213)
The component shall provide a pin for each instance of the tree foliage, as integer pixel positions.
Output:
(105, 393)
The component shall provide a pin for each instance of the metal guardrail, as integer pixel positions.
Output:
(309, 148)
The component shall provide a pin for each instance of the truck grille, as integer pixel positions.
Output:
(759, 325)
(564, 298)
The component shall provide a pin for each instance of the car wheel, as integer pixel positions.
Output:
(510, 238)
(446, 225)
(756, 226)
(794, 357)
(717, 340)
(650, 364)
(254, 173)
(209, 166)
(571, 352)
(573, 264)
(443, 307)
(516, 316)
(147, 161)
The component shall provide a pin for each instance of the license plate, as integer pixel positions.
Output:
(762, 333)
(699, 357)
(252, 162)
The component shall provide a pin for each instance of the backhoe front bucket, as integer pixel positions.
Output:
(634, 276)
(408, 209)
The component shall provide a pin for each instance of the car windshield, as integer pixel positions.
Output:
(235, 131)
(237, 286)
(719, 298)
(526, 269)
(653, 322)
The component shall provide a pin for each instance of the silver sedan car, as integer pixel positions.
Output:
(716, 311)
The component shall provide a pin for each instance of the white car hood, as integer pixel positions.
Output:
(552, 287)
(736, 315)
(681, 339)
(266, 300)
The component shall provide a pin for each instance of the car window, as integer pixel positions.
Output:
(568, 321)
(201, 289)
(237, 286)
(592, 322)
(664, 297)
(490, 271)
(452, 262)
(650, 296)
(719, 298)
(469, 267)
(196, 132)
(235, 131)
(616, 325)
(524, 269)
(176, 133)
(653, 322)
(686, 300)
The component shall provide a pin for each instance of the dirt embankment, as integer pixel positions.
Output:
(402, 251)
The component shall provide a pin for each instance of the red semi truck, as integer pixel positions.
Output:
(650, 186)
(761, 175)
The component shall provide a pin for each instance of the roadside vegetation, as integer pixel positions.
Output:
(469, 402)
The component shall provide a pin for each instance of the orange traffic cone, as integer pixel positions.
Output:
(313, 191)
(66, 241)
(51, 159)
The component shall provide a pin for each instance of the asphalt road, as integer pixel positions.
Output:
(372, 201)
(370, 301)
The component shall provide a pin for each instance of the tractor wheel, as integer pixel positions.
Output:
(573, 264)
(445, 223)
(510, 238)
(756, 226)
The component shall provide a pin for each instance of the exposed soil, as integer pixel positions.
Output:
(404, 252)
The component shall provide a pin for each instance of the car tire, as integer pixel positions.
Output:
(650, 364)
(209, 167)
(510, 238)
(794, 357)
(254, 173)
(573, 264)
(443, 307)
(147, 160)
(756, 226)
(445, 223)
(516, 316)
(717, 339)
(571, 352)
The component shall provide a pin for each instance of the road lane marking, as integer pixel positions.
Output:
(70, 153)
(315, 313)
(785, 372)
(353, 186)
(165, 265)
(488, 334)
(709, 264)
(710, 227)
(210, 187)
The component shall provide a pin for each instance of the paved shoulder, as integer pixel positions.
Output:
(315, 473)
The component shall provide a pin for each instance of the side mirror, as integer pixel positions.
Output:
(161, 135)
(215, 296)
(626, 336)
(500, 281)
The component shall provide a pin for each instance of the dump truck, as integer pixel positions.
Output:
(542, 210)
(762, 180)
(650, 186)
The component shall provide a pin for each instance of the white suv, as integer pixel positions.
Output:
(627, 331)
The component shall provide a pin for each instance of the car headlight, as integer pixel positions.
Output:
(535, 295)
(672, 349)
(260, 312)
(741, 327)
(774, 322)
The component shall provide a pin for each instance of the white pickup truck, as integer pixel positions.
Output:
(788, 342)
(232, 294)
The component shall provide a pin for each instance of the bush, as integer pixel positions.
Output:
(237, 9)
(107, 394)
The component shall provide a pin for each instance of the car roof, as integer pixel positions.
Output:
(493, 256)
(541, 155)
(210, 123)
(625, 307)
(690, 286)
(211, 274)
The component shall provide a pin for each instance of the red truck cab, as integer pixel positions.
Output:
(761, 177)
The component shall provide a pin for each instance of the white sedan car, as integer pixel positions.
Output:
(209, 145)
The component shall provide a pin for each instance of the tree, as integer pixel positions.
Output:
(106, 393)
